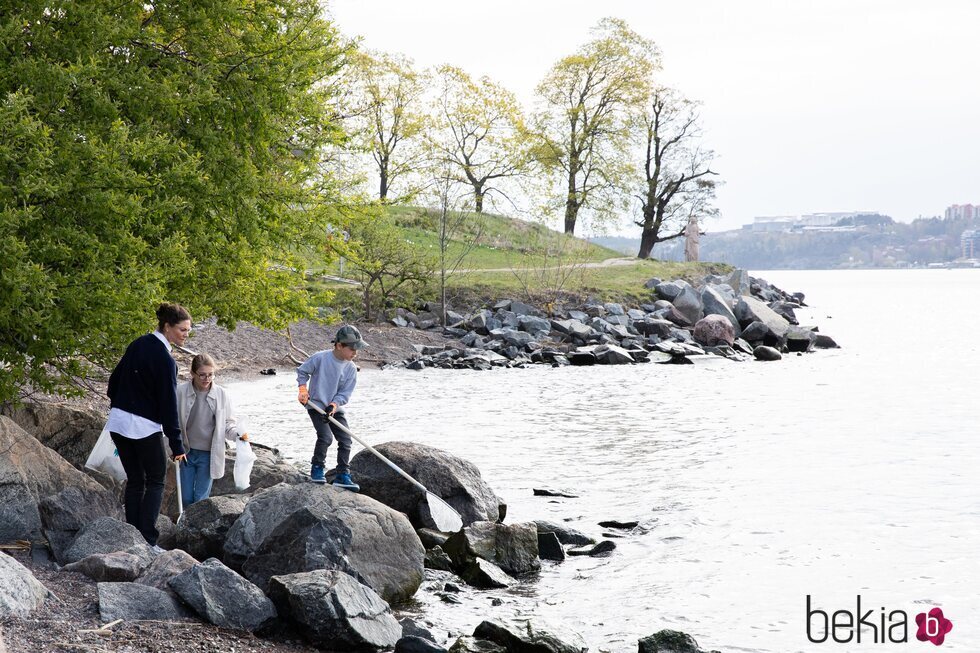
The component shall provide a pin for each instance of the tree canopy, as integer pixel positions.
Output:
(154, 151)
(478, 133)
(589, 96)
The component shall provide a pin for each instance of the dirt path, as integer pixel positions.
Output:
(606, 263)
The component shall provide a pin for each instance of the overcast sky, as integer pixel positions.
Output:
(829, 105)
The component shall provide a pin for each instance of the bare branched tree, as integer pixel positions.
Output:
(676, 174)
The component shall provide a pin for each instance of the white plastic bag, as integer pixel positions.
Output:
(105, 457)
(244, 459)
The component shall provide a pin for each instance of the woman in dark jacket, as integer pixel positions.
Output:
(143, 399)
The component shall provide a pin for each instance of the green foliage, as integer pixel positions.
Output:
(153, 151)
(589, 96)
(388, 266)
(479, 134)
(385, 116)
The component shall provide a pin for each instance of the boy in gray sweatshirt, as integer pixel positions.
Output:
(328, 378)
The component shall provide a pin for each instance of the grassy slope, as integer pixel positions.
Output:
(523, 260)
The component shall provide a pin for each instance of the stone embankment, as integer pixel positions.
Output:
(736, 316)
(263, 569)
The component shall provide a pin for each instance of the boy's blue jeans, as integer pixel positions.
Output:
(325, 434)
(195, 476)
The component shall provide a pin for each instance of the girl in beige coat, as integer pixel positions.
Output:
(207, 421)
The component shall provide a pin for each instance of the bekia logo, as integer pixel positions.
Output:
(933, 626)
(873, 627)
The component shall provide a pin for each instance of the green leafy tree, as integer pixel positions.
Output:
(676, 179)
(588, 97)
(153, 151)
(479, 133)
(387, 119)
(385, 263)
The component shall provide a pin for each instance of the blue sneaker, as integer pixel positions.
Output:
(346, 482)
(316, 474)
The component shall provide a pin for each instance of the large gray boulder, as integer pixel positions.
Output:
(417, 644)
(654, 326)
(118, 566)
(205, 525)
(612, 355)
(65, 513)
(135, 602)
(165, 566)
(29, 472)
(800, 339)
(335, 611)
(536, 326)
(378, 548)
(512, 547)
(70, 431)
(20, 593)
(668, 311)
(717, 303)
(739, 280)
(458, 482)
(748, 309)
(223, 597)
(688, 302)
(565, 534)
(292, 529)
(764, 353)
(714, 330)
(669, 641)
(524, 636)
(468, 644)
(758, 333)
(669, 290)
(107, 535)
(576, 329)
(482, 574)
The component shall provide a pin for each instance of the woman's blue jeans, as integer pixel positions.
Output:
(195, 476)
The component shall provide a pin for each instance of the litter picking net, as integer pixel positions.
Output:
(443, 516)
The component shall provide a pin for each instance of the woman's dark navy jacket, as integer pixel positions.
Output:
(144, 383)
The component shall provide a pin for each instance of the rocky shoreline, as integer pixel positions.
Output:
(735, 316)
(290, 566)
(286, 566)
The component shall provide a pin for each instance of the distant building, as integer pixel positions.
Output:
(970, 243)
(826, 221)
(963, 212)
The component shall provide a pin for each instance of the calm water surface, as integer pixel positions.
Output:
(834, 474)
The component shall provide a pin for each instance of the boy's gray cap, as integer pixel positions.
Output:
(350, 336)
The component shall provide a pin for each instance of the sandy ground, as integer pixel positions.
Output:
(248, 349)
(243, 353)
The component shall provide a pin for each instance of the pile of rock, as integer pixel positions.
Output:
(735, 316)
(319, 560)
(291, 556)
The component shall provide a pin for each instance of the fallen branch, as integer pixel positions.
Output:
(102, 630)
(292, 345)
(185, 350)
(16, 545)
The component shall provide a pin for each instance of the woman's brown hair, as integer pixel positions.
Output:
(171, 314)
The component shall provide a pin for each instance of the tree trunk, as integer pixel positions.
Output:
(367, 302)
(479, 200)
(648, 238)
(383, 190)
(571, 205)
